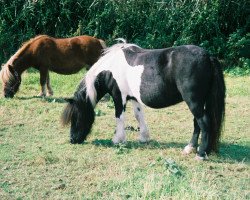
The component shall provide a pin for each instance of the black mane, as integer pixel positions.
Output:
(80, 112)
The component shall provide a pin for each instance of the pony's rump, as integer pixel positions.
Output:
(104, 46)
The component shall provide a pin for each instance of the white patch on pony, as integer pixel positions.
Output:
(128, 78)
(120, 136)
(188, 149)
(144, 134)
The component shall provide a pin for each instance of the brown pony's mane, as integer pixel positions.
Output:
(5, 74)
(25, 45)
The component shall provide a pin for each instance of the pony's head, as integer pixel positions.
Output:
(11, 80)
(80, 113)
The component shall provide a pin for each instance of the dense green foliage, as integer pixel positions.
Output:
(220, 26)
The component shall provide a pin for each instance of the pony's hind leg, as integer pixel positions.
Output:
(192, 146)
(138, 110)
(50, 91)
(204, 124)
(201, 123)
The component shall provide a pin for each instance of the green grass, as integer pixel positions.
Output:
(38, 162)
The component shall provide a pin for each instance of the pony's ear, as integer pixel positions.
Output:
(69, 100)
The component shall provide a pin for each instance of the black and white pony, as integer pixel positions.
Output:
(157, 78)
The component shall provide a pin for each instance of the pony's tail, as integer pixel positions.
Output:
(216, 105)
(67, 113)
(103, 44)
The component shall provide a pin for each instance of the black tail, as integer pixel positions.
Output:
(216, 105)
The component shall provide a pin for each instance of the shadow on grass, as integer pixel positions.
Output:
(235, 152)
(152, 144)
(229, 153)
(48, 99)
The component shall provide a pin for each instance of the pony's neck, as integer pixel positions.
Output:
(96, 87)
(19, 62)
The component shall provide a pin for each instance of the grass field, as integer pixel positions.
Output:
(38, 162)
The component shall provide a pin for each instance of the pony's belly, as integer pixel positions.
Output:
(157, 96)
(66, 70)
(150, 90)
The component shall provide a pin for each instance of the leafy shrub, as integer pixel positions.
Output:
(220, 26)
(237, 41)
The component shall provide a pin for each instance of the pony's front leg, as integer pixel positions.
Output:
(50, 91)
(138, 110)
(43, 79)
(120, 135)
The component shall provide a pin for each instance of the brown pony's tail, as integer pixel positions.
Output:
(216, 105)
(103, 44)
(67, 113)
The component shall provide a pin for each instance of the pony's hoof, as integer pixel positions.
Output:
(188, 149)
(118, 140)
(49, 94)
(201, 158)
(144, 139)
(41, 95)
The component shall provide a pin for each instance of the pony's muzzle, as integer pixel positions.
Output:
(76, 140)
(9, 95)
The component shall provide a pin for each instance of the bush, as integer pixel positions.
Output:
(220, 26)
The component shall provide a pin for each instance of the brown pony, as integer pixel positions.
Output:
(45, 53)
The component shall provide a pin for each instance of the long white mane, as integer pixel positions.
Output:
(105, 62)
(120, 45)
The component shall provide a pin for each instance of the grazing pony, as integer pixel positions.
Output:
(63, 56)
(157, 78)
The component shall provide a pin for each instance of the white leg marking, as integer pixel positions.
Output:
(120, 136)
(188, 149)
(144, 134)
